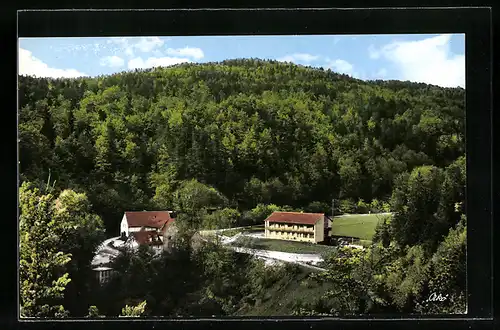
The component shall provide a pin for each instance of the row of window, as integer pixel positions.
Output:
(293, 236)
(291, 228)
(104, 275)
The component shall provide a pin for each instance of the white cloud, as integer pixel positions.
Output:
(299, 58)
(129, 51)
(139, 63)
(131, 44)
(157, 53)
(117, 40)
(146, 45)
(112, 61)
(341, 66)
(195, 53)
(122, 45)
(31, 66)
(429, 61)
(78, 47)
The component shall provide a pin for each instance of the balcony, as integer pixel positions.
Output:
(291, 230)
(291, 236)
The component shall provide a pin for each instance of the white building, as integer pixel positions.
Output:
(297, 226)
(156, 221)
(136, 228)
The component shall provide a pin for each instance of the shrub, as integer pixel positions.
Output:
(307, 283)
(318, 207)
(292, 269)
(383, 232)
(93, 312)
(134, 311)
(386, 207)
(347, 206)
(246, 242)
(362, 207)
(288, 208)
(375, 206)
(224, 218)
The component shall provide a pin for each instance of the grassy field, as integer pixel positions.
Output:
(357, 225)
(283, 246)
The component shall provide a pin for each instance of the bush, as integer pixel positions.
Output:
(375, 206)
(246, 242)
(257, 215)
(93, 312)
(307, 283)
(362, 207)
(247, 218)
(386, 207)
(318, 207)
(134, 311)
(292, 269)
(225, 218)
(288, 208)
(383, 232)
(347, 206)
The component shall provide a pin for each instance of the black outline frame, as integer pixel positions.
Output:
(475, 22)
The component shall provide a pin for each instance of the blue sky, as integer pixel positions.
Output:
(433, 59)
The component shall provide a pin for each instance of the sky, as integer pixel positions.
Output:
(434, 59)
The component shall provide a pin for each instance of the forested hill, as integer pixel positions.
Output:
(257, 131)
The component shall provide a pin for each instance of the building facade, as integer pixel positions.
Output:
(297, 226)
(103, 274)
(156, 221)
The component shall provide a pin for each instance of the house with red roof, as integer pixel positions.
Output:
(298, 226)
(146, 227)
(150, 228)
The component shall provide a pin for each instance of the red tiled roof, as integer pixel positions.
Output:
(295, 217)
(144, 237)
(154, 219)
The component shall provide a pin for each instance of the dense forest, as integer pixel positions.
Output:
(223, 144)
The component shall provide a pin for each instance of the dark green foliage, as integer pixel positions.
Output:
(229, 143)
(425, 203)
(58, 239)
(257, 131)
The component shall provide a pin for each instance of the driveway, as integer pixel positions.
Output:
(284, 256)
(305, 260)
(105, 253)
(271, 257)
(254, 235)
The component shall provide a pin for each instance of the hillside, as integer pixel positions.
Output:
(258, 131)
(284, 296)
(224, 145)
